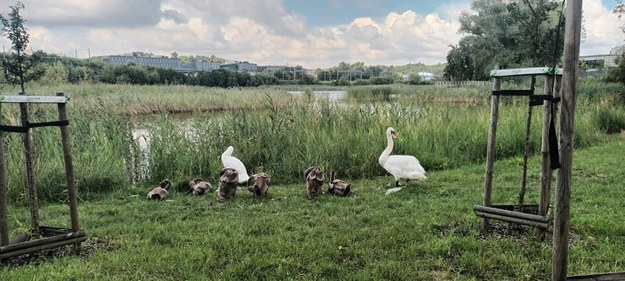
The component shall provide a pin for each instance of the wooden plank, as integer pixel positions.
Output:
(41, 241)
(491, 148)
(513, 214)
(525, 71)
(526, 152)
(612, 276)
(540, 225)
(546, 174)
(560, 253)
(42, 247)
(34, 99)
(4, 220)
(69, 167)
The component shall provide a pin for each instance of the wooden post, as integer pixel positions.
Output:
(567, 133)
(528, 128)
(4, 224)
(490, 149)
(69, 169)
(546, 174)
(30, 170)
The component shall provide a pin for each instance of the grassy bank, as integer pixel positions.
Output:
(426, 232)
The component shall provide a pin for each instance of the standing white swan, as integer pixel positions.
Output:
(230, 161)
(400, 166)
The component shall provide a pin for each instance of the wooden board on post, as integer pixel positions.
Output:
(34, 99)
(531, 71)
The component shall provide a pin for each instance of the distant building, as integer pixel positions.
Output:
(165, 62)
(426, 76)
(423, 75)
(206, 65)
(603, 60)
(240, 66)
(271, 68)
(597, 65)
(595, 61)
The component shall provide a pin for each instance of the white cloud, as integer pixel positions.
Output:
(602, 29)
(264, 32)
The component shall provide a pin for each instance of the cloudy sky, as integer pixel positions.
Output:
(311, 33)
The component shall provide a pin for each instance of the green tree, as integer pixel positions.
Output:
(55, 74)
(19, 67)
(510, 33)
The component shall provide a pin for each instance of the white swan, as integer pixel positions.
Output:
(400, 166)
(230, 161)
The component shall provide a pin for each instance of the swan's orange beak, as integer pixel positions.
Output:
(393, 135)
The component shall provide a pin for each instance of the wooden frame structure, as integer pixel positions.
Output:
(532, 215)
(46, 237)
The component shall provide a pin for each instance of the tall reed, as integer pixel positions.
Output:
(285, 141)
(271, 132)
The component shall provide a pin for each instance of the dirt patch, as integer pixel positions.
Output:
(88, 247)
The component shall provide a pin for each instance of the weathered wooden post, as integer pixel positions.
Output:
(567, 133)
(528, 128)
(4, 224)
(30, 169)
(490, 149)
(546, 174)
(69, 168)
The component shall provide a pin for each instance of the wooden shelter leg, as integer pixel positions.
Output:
(29, 154)
(490, 150)
(4, 227)
(546, 175)
(69, 169)
(567, 136)
(526, 152)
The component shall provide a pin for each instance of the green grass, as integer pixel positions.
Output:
(425, 232)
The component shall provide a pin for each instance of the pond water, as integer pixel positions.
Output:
(333, 96)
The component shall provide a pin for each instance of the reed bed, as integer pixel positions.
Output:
(271, 132)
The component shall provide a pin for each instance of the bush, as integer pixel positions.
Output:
(610, 120)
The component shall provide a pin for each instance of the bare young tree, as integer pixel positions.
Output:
(20, 68)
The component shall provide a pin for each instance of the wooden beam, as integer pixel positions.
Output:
(612, 276)
(4, 221)
(572, 37)
(490, 149)
(42, 247)
(41, 241)
(541, 225)
(513, 214)
(546, 174)
(69, 167)
(525, 71)
(33, 99)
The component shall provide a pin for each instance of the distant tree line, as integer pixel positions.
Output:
(57, 70)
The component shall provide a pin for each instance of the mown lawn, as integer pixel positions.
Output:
(425, 232)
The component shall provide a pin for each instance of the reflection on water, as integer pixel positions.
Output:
(332, 96)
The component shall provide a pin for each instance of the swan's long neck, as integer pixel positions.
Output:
(387, 152)
(227, 153)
